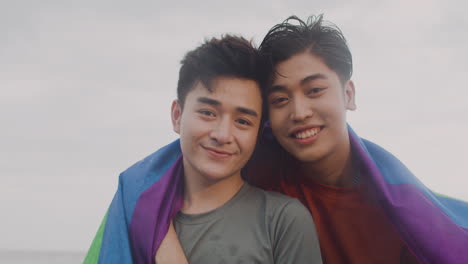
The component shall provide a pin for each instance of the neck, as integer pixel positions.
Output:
(337, 169)
(202, 195)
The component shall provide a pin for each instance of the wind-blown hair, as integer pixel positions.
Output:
(229, 56)
(320, 38)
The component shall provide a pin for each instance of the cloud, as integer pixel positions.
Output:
(87, 86)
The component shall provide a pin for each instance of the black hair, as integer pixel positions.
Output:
(229, 56)
(320, 38)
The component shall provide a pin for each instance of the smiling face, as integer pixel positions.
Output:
(307, 108)
(218, 130)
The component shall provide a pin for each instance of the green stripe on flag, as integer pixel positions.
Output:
(93, 253)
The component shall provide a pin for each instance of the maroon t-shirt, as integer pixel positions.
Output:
(351, 226)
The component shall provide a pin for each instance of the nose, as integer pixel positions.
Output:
(222, 132)
(301, 110)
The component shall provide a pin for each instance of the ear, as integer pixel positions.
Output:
(176, 115)
(350, 95)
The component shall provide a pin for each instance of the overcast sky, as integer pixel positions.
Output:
(86, 88)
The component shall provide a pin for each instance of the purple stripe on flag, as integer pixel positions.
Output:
(428, 231)
(155, 208)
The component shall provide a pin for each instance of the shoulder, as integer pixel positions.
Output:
(287, 220)
(278, 205)
(394, 171)
(150, 169)
(143, 174)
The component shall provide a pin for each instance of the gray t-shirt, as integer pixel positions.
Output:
(255, 226)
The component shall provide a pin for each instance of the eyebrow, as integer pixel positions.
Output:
(313, 77)
(247, 111)
(282, 88)
(209, 101)
(212, 102)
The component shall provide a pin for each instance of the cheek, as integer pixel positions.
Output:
(247, 140)
(192, 128)
(277, 117)
(330, 106)
(334, 117)
(275, 128)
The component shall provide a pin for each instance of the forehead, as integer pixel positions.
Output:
(228, 91)
(293, 70)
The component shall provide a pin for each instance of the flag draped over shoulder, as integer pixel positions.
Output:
(148, 196)
(434, 227)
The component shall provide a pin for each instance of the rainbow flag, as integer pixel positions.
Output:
(435, 227)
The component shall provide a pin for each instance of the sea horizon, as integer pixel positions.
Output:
(41, 257)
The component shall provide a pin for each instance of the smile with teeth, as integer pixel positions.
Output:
(307, 133)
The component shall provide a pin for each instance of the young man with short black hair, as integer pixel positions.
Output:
(217, 115)
(367, 206)
(218, 218)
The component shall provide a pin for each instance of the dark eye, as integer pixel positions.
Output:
(314, 91)
(278, 100)
(207, 113)
(243, 122)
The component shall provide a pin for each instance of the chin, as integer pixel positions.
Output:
(306, 155)
(215, 175)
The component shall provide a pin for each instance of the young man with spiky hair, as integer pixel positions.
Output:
(218, 114)
(307, 100)
(367, 206)
(217, 217)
